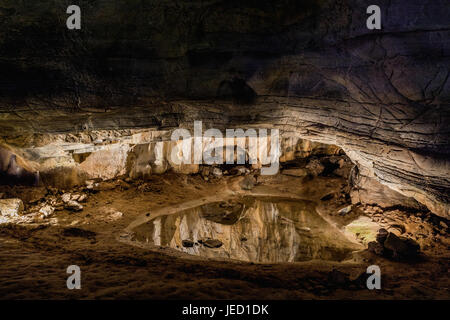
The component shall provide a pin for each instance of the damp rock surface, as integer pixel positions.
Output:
(260, 230)
(109, 257)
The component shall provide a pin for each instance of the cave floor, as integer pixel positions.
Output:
(34, 256)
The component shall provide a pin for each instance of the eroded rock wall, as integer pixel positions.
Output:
(66, 160)
(310, 68)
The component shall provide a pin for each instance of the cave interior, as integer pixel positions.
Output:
(355, 121)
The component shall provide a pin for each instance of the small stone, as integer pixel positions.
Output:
(82, 198)
(342, 172)
(212, 243)
(396, 229)
(73, 206)
(248, 183)
(53, 191)
(90, 184)
(441, 223)
(345, 210)
(205, 171)
(4, 220)
(401, 247)
(47, 210)
(11, 207)
(217, 172)
(239, 170)
(187, 243)
(66, 197)
(59, 207)
(116, 215)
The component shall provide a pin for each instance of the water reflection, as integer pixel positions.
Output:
(262, 230)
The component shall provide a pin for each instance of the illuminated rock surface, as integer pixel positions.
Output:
(257, 230)
(310, 68)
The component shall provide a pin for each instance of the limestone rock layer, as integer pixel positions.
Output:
(310, 68)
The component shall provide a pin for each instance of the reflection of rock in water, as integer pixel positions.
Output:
(259, 230)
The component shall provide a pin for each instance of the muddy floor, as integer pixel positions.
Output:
(35, 252)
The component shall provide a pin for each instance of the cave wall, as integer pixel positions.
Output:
(310, 68)
(68, 160)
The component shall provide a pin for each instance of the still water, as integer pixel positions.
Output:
(263, 230)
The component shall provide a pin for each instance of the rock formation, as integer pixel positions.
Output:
(310, 68)
(261, 230)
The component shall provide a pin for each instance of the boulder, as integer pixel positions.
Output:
(82, 198)
(343, 172)
(239, 170)
(73, 206)
(382, 235)
(248, 183)
(11, 207)
(187, 243)
(315, 167)
(76, 197)
(66, 197)
(397, 229)
(90, 184)
(205, 171)
(345, 210)
(115, 215)
(47, 210)
(211, 243)
(217, 172)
